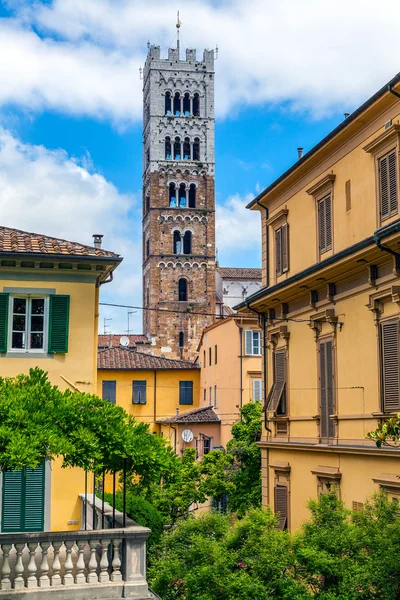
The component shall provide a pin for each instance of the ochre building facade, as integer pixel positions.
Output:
(330, 306)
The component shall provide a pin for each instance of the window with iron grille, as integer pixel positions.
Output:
(387, 168)
(325, 223)
(276, 401)
(390, 372)
(282, 249)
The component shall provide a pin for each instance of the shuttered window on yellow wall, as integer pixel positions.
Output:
(281, 505)
(282, 249)
(325, 223)
(388, 185)
(277, 394)
(326, 387)
(390, 365)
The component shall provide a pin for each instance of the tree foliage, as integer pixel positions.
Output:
(386, 433)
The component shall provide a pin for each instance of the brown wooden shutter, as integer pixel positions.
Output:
(392, 168)
(348, 194)
(384, 187)
(328, 222)
(390, 365)
(278, 389)
(327, 391)
(321, 224)
(278, 251)
(281, 505)
(285, 247)
(388, 184)
(325, 223)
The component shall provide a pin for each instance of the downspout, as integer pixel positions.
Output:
(155, 395)
(241, 371)
(391, 90)
(389, 250)
(175, 433)
(109, 280)
(266, 243)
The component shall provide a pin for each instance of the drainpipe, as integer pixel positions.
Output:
(241, 371)
(266, 243)
(174, 428)
(391, 90)
(389, 250)
(265, 347)
(155, 395)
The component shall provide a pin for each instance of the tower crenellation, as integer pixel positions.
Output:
(178, 199)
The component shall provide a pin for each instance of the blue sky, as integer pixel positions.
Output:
(70, 109)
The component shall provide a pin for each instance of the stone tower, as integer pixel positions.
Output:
(178, 200)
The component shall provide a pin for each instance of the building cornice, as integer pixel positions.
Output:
(333, 449)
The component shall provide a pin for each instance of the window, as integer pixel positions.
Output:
(147, 247)
(390, 361)
(139, 392)
(181, 339)
(177, 242)
(196, 105)
(210, 397)
(177, 148)
(207, 444)
(182, 195)
(187, 242)
(147, 204)
(196, 149)
(23, 502)
(177, 104)
(347, 188)
(276, 402)
(388, 185)
(252, 342)
(109, 391)
(281, 505)
(257, 390)
(205, 395)
(168, 151)
(34, 324)
(209, 356)
(186, 149)
(204, 358)
(215, 354)
(282, 249)
(325, 224)
(215, 396)
(186, 104)
(172, 194)
(182, 290)
(326, 387)
(192, 195)
(168, 103)
(186, 392)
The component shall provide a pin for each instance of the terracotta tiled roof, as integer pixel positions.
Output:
(110, 340)
(130, 359)
(23, 242)
(200, 415)
(239, 273)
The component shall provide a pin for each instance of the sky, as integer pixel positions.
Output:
(71, 106)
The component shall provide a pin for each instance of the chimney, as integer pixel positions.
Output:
(177, 411)
(97, 237)
(299, 153)
(346, 115)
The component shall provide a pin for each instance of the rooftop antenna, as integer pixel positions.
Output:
(178, 25)
(105, 324)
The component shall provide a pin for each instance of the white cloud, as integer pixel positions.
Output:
(238, 233)
(316, 55)
(48, 192)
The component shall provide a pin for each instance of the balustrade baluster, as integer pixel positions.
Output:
(68, 577)
(104, 576)
(92, 576)
(80, 565)
(116, 562)
(19, 582)
(44, 580)
(56, 577)
(32, 582)
(6, 569)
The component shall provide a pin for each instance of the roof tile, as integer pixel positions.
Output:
(110, 340)
(239, 273)
(200, 415)
(130, 359)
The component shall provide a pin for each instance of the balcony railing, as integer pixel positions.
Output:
(80, 565)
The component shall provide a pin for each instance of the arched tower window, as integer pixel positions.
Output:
(181, 339)
(192, 196)
(182, 290)
(177, 104)
(177, 148)
(186, 104)
(196, 105)
(168, 152)
(172, 194)
(182, 196)
(196, 149)
(186, 149)
(187, 242)
(168, 103)
(177, 242)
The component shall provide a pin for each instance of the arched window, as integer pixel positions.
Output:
(187, 242)
(186, 104)
(196, 105)
(172, 194)
(186, 149)
(192, 196)
(177, 242)
(168, 104)
(196, 149)
(177, 104)
(182, 290)
(181, 339)
(168, 153)
(182, 195)
(177, 148)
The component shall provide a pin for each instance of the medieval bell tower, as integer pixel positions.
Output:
(178, 200)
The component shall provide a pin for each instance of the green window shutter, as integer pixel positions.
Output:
(186, 392)
(12, 504)
(33, 518)
(109, 391)
(139, 392)
(3, 321)
(23, 500)
(58, 324)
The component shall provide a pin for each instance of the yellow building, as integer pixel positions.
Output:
(48, 318)
(330, 300)
(230, 360)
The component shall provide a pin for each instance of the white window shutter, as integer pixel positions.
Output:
(257, 389)
(248, 342)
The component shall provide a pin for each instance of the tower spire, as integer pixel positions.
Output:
(178, 25)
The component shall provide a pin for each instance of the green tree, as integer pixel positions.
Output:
(387, 433)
